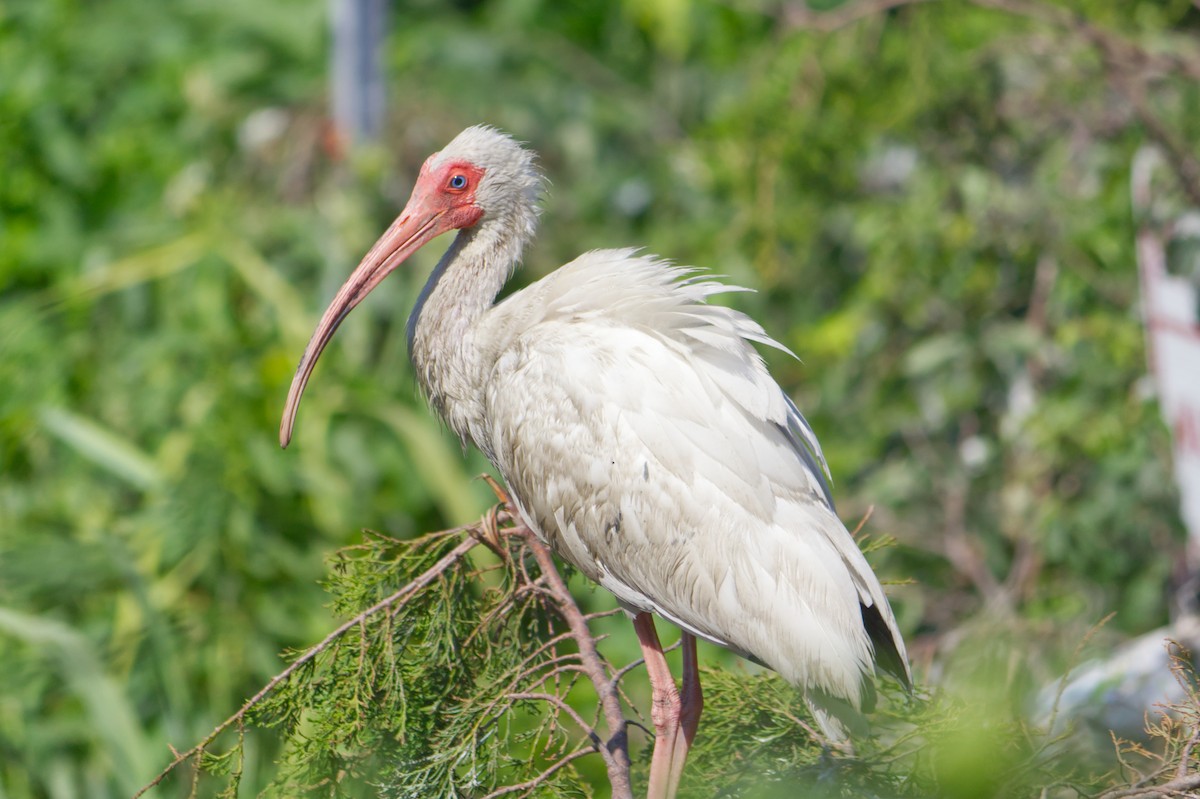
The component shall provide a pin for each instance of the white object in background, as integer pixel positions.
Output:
(1173, 344)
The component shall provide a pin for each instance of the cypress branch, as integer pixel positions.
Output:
(454, 683)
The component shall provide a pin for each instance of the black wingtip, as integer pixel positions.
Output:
(887, 652)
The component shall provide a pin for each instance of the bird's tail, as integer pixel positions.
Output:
(838, 719)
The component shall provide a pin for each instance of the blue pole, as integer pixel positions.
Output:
(356, 85)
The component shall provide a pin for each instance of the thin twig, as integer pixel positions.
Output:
(557, 701)
(602, 614)
(621, 672)
(557, 664)
(539, 780)
(862, 522)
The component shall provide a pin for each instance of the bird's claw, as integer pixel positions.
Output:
(505, 512)
(487, 532)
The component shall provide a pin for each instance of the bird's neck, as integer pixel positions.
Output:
(450, 359)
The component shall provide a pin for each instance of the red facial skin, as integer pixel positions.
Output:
(442, 200)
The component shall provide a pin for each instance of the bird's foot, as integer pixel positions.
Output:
(487, 531)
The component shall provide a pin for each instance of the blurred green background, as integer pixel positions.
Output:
(932, 203)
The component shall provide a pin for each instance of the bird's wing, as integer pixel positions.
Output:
(642, 435)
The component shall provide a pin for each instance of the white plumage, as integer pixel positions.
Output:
(644, 439)
(635, 425)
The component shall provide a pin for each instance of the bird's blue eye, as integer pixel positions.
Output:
(458, 182)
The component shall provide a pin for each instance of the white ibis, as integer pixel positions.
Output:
(639, 434)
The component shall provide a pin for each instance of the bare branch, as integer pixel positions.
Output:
(616, 748)
(1171, 788)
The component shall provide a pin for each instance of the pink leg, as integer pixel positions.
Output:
(665, 707)
(675, 718)
(691, 705)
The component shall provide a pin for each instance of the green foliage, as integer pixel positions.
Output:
(455, 675)
(448, 679)
(372, 700)
(931, 201)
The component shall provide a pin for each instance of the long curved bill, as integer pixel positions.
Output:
(406, 235)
